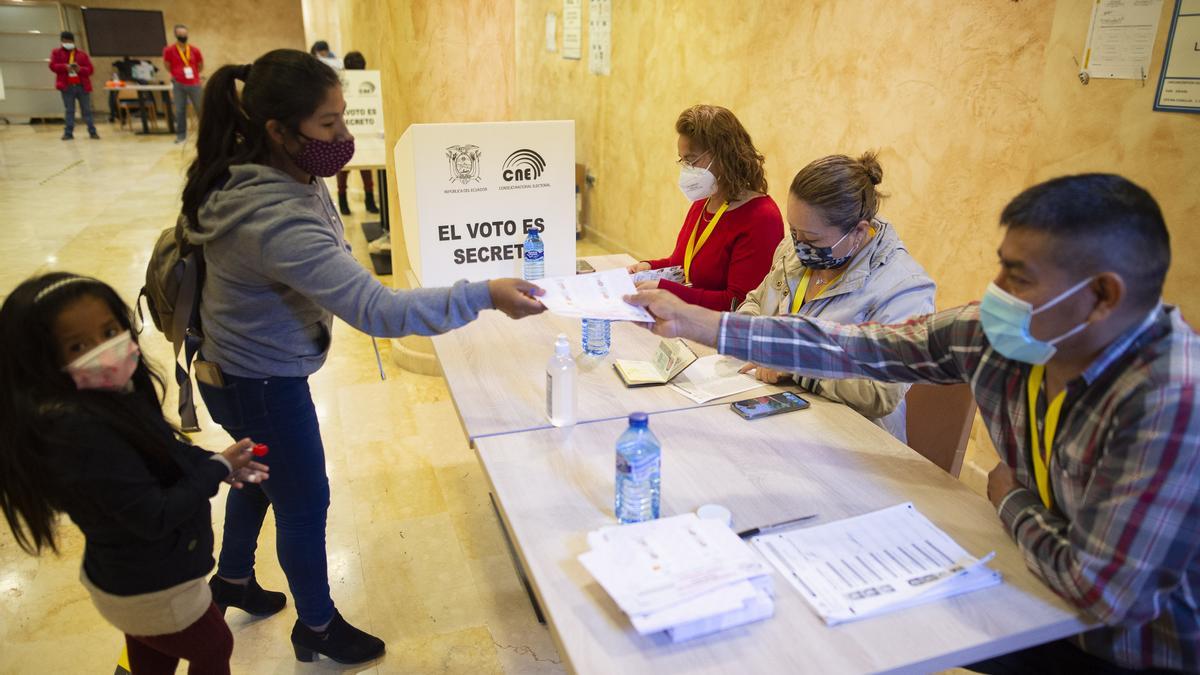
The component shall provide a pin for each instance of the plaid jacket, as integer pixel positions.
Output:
(1121, 539)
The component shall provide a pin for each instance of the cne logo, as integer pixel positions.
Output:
(524, 164)
(366, 88)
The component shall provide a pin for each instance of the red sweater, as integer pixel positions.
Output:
(60, 58)
(175, 62)
(735, 258)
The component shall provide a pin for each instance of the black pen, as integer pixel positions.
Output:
(765, 529)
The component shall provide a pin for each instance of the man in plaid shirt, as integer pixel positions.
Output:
(1100, 485)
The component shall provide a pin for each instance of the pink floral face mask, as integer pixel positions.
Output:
(110, 366)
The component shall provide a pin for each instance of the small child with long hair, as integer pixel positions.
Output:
(82, 433)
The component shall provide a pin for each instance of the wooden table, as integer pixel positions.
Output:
(828, 460)
(496, 370)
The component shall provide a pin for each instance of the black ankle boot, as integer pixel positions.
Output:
(343, 204)
(250, 597)
(339, 641)
(371, 208)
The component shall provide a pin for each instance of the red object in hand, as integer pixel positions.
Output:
(260, 450)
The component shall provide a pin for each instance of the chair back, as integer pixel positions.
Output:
(939, 422)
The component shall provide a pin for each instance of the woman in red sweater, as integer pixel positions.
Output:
(728, 237)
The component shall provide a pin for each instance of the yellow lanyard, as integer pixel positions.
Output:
(71, 58)
(1041, 471)
(802, 288)
(185, 55)
(694, 245)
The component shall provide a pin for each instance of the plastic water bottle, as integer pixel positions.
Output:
(639, 471)
(535, 256)
(597, 336)
(561, 398)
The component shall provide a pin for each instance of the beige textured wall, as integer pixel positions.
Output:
(226, 31)
(968, 103)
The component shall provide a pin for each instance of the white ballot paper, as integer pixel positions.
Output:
(712, 377)
(684, 575)
(669, 273)
(593, 296)
(874, 563)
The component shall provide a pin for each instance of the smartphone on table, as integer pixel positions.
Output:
(765, 406)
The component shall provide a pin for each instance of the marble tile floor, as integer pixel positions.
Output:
(415, 553)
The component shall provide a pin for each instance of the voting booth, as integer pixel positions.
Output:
(364, 117)
(469, 193)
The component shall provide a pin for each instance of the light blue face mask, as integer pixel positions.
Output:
(1006, 320)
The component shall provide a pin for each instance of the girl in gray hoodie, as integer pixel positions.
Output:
(278, 269)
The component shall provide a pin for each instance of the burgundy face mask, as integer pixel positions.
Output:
(323, 158)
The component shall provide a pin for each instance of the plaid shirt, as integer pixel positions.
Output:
(1121, 540)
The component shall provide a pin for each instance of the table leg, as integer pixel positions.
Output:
(516, 560)
(142, 110)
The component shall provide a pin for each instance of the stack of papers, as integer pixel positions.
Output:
(669, 273)
(671, 357)
(874, 563)
(683, 575)
(593, 296)
(713, 377)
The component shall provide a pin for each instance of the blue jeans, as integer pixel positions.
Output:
(182, 93)
(73, 93)
(278, 411)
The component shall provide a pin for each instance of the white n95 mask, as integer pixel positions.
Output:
(697, 183)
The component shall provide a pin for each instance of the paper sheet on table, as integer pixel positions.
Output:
(712, 377)
(874, 563)
(669, 273)
(593, 296)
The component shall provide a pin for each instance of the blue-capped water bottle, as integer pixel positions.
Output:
(535, 256)
(639, 471)
(597, 336)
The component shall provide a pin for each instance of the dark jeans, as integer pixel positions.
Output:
(206, 645)
(183, 93)
(279, 412)
(73, 93)
(1053, 658)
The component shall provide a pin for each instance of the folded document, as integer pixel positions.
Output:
(683, 575)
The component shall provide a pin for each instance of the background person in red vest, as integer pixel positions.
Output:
(185, 63)
(73, 69)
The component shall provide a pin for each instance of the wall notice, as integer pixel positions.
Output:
(572, 47)
(1179, 84)
(1120, 39)
(600, 37)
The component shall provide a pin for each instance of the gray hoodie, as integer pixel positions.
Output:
(883, 284)
(279, 269)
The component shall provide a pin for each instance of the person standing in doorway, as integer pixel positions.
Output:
(185, 63)
(73, 70)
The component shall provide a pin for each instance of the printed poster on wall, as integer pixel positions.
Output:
(475, 190)
(600, 37)
(572, 47)
(1179, 84)
(364, 116)
(1120, 39)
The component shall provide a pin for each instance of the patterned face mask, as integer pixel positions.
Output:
(820, 258)
(324, 158)
(109, 366)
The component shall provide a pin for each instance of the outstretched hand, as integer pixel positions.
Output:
(240, 456)
(517, 298)
(675, 318)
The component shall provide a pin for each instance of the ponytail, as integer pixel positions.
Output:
(285, 85)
